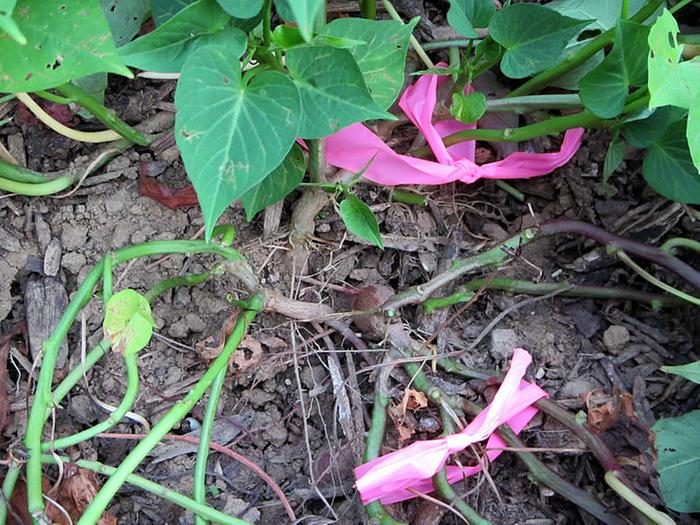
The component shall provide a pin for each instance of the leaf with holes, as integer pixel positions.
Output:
(7, 23)
(678, 461)
(231, 133)
(65, 40)
(301, 12)
(241, 8)
(382, 56)
(164, 10)
(284, 179)
(332, 88)
(668, 168)
(534, 37)
(360, 221)
(605, 88)
(466, 15)
(690, 371)
(124, 18)
(128, 323)
(200, 24)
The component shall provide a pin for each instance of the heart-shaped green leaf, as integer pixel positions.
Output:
(164, 10)
(231, 134)
(360, 221)
(382, 56)
(678, 461)
(605, 88)
(241, 8)
(125, 18)
(602, 15)
(643, 132)
(65, 40)
(201, 24)
(332, 88)
(468, 108)
(466, 15)
(534, 37)
(7, 23)
(128, 323)
(668, 168)
(284, 179)
(301, 12)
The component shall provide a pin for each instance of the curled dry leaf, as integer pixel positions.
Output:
(367, 298)
(248, 355)
(211, 347)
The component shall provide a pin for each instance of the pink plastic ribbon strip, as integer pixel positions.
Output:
(387, 478)
(353, 147)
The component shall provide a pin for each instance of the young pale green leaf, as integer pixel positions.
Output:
(301, 12)
(613, 158)
(164, 10)
(468, 108)
(124, 18)
(692, 132)
(605, 88)
(360, 221)
(166, 49)
(678, 461)
(332, 88)
(690, 371)
(128, 323)
(382, 55)
(602, 14)
(534, 37)
(668, 168)
(65, 40)
(466, 15)
(241, 8)
(284, 179)
(7, 23)
(231, 134)
(643, 132)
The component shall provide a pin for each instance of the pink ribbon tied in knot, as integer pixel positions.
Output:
(353, 147)
(389, 478)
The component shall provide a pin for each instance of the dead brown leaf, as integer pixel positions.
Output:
(412, 400)
(404, 422)
(5, 347)
(210, 348)
(76, 492)
(248, 354)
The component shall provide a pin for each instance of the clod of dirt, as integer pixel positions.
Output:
(615, 338)
(236, 507)
(503, 341)
(368, 298)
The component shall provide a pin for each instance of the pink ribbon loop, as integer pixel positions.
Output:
(389, 477)
(353, 147)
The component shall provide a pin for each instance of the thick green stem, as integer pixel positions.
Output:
(579, 57)
(510, 190)
(369, 8)
(171, 418)
(101, 113)
(132, 390)
(631, 497)
(199, 491)
(534, 103)
(154, 488)
(317, 161)
(679, 242)
(267, 23)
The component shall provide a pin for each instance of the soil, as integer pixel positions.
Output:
(578, 345)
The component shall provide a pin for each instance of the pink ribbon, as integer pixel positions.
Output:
(353, 148)
(387, 478)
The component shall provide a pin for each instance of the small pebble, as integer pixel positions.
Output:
(52, 258)
(615, 338)
(503, 341)
(73, 262)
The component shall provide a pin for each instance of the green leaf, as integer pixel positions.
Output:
(692, 132)
(642, 133)
(332, 88)
(96, 86)
(534, 37)
(690, 371)
(128, 323)
(468, 108)
(301, 12)
(287, 37)
(198, 25)
(359, 220)
(670, 82)
(7, 23)
(613, 158)
(65, 40)
(382, 55)
(124, 18)
(602, 15)
(164, 10)
(466, 15)
(605, 88)
(668, 168)
(241, 8)
(678, 461)
(230, 133)
(284, 179)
